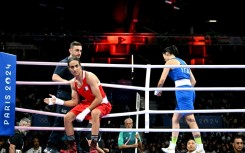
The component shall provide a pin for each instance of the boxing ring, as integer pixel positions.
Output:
(146, 89)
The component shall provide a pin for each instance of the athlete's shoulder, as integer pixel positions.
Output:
(172, 61)
(89, 74)
(181, 61)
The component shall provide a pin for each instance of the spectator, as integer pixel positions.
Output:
(128, 141)
(36, 147)
(16, 142)
(237, 145)
(3, 147)
(191, 146)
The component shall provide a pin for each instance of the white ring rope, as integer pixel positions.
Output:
(62, 115)
(138, 88)
(41, 83)
(138, 130)
(130, 65)
(147, 88)
(139, 112)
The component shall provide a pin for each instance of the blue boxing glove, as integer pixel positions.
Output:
(80, 117)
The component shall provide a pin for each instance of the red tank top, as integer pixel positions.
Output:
(86, 92)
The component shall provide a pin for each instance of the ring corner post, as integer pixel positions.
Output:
(7, 93)
(147, 97)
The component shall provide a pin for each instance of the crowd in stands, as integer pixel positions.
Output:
(30, 97)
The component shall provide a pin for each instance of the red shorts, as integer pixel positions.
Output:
(105, 108)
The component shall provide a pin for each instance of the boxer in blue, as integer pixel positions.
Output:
(183, 78)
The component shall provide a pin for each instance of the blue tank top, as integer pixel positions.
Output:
(180, 72)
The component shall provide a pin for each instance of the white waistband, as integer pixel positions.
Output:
(182, 82)
(104, 100)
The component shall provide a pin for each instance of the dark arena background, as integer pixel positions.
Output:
(206, 32)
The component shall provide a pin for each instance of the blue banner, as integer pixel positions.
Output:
(7, 93)
(206, 121)
(40, 120)
(203, 121)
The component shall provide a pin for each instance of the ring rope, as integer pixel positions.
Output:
(130, 65)
(62, 115)
(133, 129)
(147, 88)
(140, 112)
(138, 88)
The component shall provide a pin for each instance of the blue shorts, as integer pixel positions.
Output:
(185, 99)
